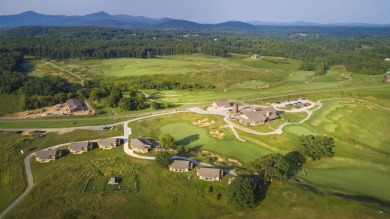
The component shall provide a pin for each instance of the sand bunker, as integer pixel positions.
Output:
(216, 134)
(203, 123)
(219, 158)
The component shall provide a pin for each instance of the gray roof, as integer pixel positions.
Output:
(260, 114)
(74, 104)
(107, 142)
(255, 117)
(140, 143)
(209, 172)
(224, 103)
(180, 164)
(46, 154)
(79, 146)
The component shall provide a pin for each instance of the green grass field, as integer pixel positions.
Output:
(196, 138)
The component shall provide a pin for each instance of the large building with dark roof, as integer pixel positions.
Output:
(74, 105)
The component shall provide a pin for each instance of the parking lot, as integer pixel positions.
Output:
(298, 105)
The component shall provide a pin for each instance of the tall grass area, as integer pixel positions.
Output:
(10, 103)
(158, 193)
(12, 175)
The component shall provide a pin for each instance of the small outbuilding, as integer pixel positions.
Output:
(108, 143)
(24, 150)
(113, 181)
(80, 147)
(46, 156)
(220, 105)
(180, 166)
(209, 174)
(255, 56)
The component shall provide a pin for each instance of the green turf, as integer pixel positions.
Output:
(365, 181)
(298, 130)
(196, 138)
(359, 121)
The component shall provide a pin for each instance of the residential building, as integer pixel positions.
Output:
(108, 143)
(255, 56)
(180, 166)
(80, 147)
(209, 174)
(113, 181)
(46, 156)
(143, 145)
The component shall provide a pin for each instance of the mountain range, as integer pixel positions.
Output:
(103, 19)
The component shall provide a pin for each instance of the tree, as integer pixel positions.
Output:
(241, 193)
(113, 99)
(163, 159)
(167, 105)
(125, 104)
(316, 147)
(271, 166)
(166, 140)
(155, 105)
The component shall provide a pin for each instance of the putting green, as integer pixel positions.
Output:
(198, 138)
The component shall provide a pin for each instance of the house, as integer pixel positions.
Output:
(209, 174)
(108, 143)
(143, 145)
(257, 116)
(80, 147)
(24, 150)
(113, 181)
(255, 56)
(221, 105)
(180, 166)
(74, 105)
(387, 59)
(46, 156)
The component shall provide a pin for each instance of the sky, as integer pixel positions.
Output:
(216, 11)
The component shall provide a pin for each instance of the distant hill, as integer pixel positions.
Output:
(103, 19)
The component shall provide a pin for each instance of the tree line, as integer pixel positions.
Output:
(362, 54)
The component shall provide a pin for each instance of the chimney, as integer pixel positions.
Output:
(268, 113)
(235, 108)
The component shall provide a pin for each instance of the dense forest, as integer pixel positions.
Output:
(363, 54)
(316, 47)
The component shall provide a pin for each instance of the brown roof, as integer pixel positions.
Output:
(140, 143)
(180, 164)
(209, 172)
(74, 104)
(79, 146)
(107, 142)
(46, 154)
(260, 114)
